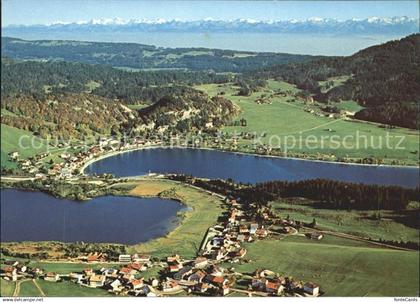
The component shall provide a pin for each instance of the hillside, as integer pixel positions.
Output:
(69, 116)
(144, 56)
(192, 110)
(41, 78)
(385, 79)
(66, 116)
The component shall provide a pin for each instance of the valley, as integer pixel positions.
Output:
(293, 175)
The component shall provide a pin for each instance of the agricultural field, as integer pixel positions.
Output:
(69, 289)
(7, 288)
(351, 106)
(288, 123)
(28, 288)
(332, 82)
(396, 226)
(187, 237)
(340, 268)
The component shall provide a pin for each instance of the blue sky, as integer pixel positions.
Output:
(47, 11)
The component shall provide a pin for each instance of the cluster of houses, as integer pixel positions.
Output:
(273, 284)
(72, 162)
(31, 165)
(246, 224)
(126, 280)
(14, 270)
(200, 276)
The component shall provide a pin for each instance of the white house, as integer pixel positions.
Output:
(124, 258)
(311, 289)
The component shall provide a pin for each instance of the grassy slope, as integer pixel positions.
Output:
(10, 142)
(186, 238)
(69, 289)
(352, 222)
(339, 268)
(7, 288)
(28, 289)
(283, 118)
(349, 106)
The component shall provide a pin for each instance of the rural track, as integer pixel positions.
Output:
(361, 239)
(39, 288)
(249, 293)
(17, 288)
(313, 128)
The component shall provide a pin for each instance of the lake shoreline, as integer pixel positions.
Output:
(170, 226)
(114, 153)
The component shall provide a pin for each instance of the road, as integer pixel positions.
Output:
(16, 178)
(249, 293)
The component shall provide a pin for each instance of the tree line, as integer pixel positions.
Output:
(333, 194)
(141, 56)
(42, 78)
(336, 194)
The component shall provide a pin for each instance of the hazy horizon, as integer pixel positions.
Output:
(30, 12)
(279, 43)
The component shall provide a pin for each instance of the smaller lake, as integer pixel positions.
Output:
(36, 216)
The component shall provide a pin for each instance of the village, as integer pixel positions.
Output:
(74, 157)
(207, 274)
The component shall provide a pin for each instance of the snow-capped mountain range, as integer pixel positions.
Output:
(372, 25)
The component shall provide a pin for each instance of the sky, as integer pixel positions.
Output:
(29, 12)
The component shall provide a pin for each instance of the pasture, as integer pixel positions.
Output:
(300, 128)
(340, 268)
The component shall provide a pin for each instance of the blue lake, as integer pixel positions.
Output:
(247, 168)
(36, 216)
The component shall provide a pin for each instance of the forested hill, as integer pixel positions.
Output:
(144, 56)
(385, 79)
(40, 78)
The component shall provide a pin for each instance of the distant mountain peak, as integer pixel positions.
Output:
(373, 25)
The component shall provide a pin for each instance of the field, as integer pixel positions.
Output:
(340, 268)
(287, 125)
(10, 142)
(348, 105)
(187, 237)
(7, 288)
(393, 225)
(28, 289)
(68, 289)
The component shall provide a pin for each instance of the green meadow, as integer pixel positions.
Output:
(393, 225)
(340, 268)
(10, 137)
(7, 288)
(69, 289)
(186, 238)
(28, 289)
(287, 125)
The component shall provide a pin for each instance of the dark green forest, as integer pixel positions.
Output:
(330, 193)
(144, 56)
(384, 79)
(36, 78)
